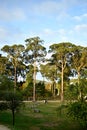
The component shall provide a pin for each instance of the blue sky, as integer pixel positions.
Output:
(54, 21)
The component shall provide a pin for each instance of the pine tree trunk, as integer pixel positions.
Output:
(54, 89)
(34, 83)
(15, 79)
(80, 93)
(62, 87)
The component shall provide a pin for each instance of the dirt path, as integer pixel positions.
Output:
(2, 127)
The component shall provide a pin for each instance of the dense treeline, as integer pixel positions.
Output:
(66, 61)
(66, 69)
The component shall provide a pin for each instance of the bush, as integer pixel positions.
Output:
(78, 111)
(12, 101)
(3, 106)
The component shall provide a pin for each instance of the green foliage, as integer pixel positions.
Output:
(41, 92)
(48, 94)
(13, 99)
(83, 86)
(3, 106)
(35, 51)
(61, 57)
(79, 59)
(10, 100)
(40, 89)
(15, 58)
(71, 92)
(61, 110)
(6, 85)
(78, 111)
(28, 91)
(65, 58)
(3, 62)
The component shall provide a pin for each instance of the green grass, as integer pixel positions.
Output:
(47, 119)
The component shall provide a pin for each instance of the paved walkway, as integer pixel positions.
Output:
(2, 127)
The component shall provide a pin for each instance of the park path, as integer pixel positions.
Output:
(2, 127)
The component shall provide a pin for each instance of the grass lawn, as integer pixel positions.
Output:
(47, 119)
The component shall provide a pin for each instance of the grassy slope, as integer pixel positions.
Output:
(47, 119)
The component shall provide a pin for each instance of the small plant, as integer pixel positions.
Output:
(12, 101)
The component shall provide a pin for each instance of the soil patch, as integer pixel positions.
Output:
(2, 127)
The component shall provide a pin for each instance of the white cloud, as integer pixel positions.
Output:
(80, 17)
(52, 8)
(47, 7)
(59, 8)
(77, 18)
(81, 28)
(54, 36)
(53, 31)
(3, 33)
(85, 15)
(3, 36)
(12, 14)
(55, 7)
(61, 32)
(48, 31)
(18, 14)
(8, 36)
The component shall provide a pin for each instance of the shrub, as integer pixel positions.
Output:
(3, 106)
(78, 111)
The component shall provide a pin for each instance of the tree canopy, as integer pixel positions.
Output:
(66, 60)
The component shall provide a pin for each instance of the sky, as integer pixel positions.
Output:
(54, 21)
